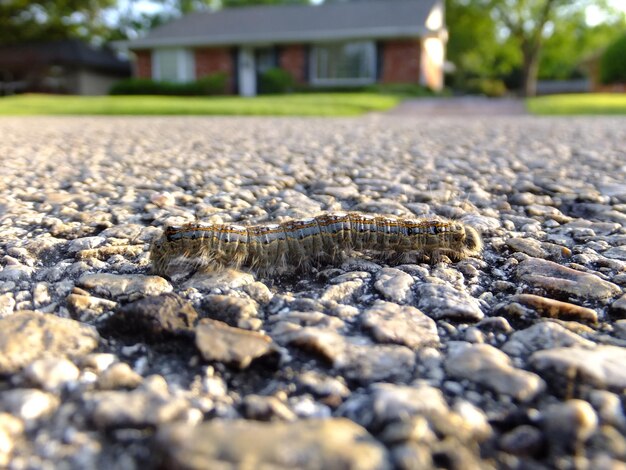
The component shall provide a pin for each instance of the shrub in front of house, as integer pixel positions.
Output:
(613, 62)
(276, 80)
(214, 84)
(491, 87)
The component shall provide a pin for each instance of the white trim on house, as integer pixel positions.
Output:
(317, 81)
(185, 64)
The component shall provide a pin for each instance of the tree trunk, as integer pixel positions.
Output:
(530, 69)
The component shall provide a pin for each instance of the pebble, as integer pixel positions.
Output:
(394, 285)
(441, 301)
(11, 429)
(390, 323)
(52, 374)
(85, 243)
(602, 367)
(362, 362)
(235, 311)
(135, 409)
(217, 341)
(119, 375)
(29, 404)
(569, 423)
(618, 308)
(127, 287)
(491, 368)
(156, 317)
(26, 336)
(561, 280)
(7, 304)
(264, 408)
(219, 282)
(524, 440)
(551, 308)
(312, 444)
(543, 336)
(344, 292)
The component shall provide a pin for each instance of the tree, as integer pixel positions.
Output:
(473, 45)
(516, 30)
(27, 20)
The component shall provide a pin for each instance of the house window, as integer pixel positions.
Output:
(345, 63)
(173, 65)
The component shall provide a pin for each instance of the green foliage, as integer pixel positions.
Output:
(574, 40)
(275, 81)
(490, 87)
(214, 84)
(613, 62)
(505, 39)
(44, 20)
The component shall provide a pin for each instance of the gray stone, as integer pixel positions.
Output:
(235, 311)
(85, 243)
(26, 336)
(617, 252)
(306, 444)
(394, 285)
(441, 301)
(390, 323)
(601, 367)
(618, 308)
(217, 341)
(266, 408)
(569, 423)
(156, 317)
(544, 335)
(355, 359)
(136, 409)
(523, 440)
(330, 390)
(558, 279)
(491, 368)
(129, 287)
(219, 281)
(344, 292)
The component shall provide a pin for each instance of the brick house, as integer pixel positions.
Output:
(328, 45)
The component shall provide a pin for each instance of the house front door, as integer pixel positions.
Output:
(247, 72)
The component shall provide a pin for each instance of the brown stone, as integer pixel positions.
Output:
(551, 308)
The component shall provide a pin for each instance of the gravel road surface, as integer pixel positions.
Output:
(515, 359)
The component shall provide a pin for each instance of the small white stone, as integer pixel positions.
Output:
(52, 374)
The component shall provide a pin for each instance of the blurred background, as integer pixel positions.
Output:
(487, 47)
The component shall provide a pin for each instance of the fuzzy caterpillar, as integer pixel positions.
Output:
(298, 244)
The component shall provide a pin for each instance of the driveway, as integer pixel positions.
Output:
(461, 106)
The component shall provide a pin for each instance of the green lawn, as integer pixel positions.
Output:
(591, 103)
(313, 104)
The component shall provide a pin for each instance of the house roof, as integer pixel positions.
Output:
(290, 23)
(63, 52)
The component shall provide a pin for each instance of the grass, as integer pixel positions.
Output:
(566, 105)
(317, 104)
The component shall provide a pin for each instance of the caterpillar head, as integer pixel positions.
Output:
(473, 243)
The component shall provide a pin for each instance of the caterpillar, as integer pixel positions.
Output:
(300, 243)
